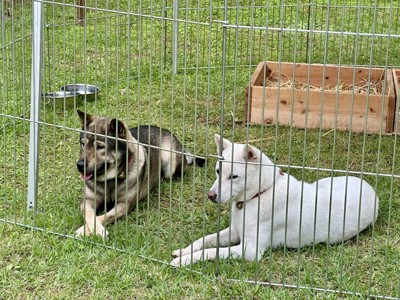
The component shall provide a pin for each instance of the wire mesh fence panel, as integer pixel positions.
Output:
(15, 64)
(193, 68)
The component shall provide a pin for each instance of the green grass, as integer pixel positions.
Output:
(132, 66)
(42, 266)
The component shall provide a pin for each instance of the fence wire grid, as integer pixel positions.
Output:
(187, 66)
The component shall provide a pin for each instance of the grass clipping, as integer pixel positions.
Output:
(362, 86)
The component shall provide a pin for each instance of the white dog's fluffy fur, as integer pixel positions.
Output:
(279, 210)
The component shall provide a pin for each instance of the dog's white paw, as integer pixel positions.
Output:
(104, 234)
(82, 231)
(177, 252)
(181, 252)
(101, 231)
(181, 261)
(85, 230)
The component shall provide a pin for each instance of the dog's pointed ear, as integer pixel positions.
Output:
(250, 153)
(225, 143)
(117, 128)
(86, 119)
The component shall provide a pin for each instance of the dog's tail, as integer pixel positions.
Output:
(194, 159)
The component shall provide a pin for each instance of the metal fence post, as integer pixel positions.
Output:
(37, 42)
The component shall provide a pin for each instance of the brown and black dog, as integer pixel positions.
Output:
(120, 166)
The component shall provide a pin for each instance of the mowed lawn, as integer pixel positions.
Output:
(130, 57)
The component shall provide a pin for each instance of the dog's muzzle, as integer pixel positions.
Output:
(85, 173)
(88, 173)
(212, 196)
(81, 166)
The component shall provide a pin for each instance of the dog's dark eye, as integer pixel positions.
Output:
(233, 176)
(100, 147)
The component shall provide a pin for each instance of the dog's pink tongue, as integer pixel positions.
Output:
(86, 177)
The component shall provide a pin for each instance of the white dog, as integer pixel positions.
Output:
(276, 209)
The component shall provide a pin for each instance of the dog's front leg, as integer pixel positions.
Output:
(120, 210)
(93, 224)
(226, 237)
(208, 254)
(247, 250)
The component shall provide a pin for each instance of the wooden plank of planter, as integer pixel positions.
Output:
(391, 102)
(257, 79)
(302, 107)
(396, 82)
(318, 75)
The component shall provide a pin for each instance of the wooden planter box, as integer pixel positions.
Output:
(315, 95)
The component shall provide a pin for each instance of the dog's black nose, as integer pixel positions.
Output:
(212, 196)
(81, 165)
